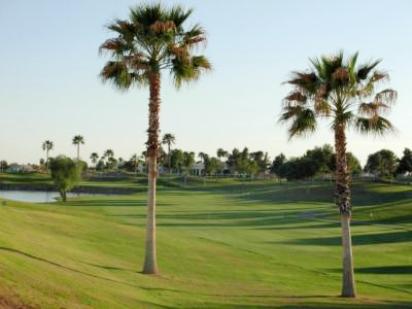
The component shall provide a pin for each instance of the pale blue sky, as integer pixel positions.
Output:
(50, 88)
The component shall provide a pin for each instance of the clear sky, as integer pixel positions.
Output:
(49, 86)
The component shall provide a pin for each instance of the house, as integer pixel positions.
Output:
(19, 168)
(198, 169)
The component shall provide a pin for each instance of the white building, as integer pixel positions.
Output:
(19, 168)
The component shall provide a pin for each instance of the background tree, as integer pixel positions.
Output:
(221, 153)
(111, 163)
(382, 163)
(354, 166)
(94, 157)
(153, 39)
(134, 162)
(100, 166)
(65, 174)
(169, 140)
(212, 165)
(176, 160)
(188, 161)
(78, 140)
(261, 159)
(345, 92)
(108, 157)
(109, 153)
(47, 146)
(3, 166)
(277, 164)
(405, 163)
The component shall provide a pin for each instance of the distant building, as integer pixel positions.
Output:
(198, 169)
(19, 168)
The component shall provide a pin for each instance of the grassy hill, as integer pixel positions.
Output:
(222, 244)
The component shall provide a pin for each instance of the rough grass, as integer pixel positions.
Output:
(222, 244)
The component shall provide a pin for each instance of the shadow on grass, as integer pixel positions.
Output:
(348, 304)
(239, 218)
(386, 270)
(111, 203)
(364, 193)
(366, 239)
(40, 259)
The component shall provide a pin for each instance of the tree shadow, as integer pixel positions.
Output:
(339, 304)
(398, 269)
(111, 203)
(40, 259)
(365, 239)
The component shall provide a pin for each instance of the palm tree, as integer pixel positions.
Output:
(47, 146)
(109, 153)
(221, 153)
(77, 140)
(94, 157)
(169, 140)
(153, 39)
(202, 156)
(346, 93)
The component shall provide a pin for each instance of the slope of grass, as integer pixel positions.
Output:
(222, 244)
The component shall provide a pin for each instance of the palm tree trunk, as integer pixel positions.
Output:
(170, 159)
(78, 152)
(343, 201)
(150, 262)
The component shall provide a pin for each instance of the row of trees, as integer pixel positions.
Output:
(317, 161)
(385, 163)
(48, 146)
(322, 160)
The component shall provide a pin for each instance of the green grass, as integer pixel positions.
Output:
(222, 244)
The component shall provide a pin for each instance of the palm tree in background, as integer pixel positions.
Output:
(47, 146)
(221, 153)
(152, 40)
(109, 153)
(78, 140)
(94, 157)
(169, 140)
(347, 93)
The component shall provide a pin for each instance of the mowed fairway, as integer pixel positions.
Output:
(228, 244)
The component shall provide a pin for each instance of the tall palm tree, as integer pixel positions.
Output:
(47, 146)
(347, 93)
(169, 140)
(94, 157)
(153, 39)
(78, 140)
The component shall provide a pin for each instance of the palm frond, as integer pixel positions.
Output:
(117, 73)
(387, 96)
(365, 69)
(303, 123)
(185, 71)
(376, 125)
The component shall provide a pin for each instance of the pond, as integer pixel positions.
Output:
(34, 196)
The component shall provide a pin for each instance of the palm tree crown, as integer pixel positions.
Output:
(168, 139)
(78, 139)
(109, 153)
(47, 145)
(341, 90)
(94, 157)
(153, 39)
